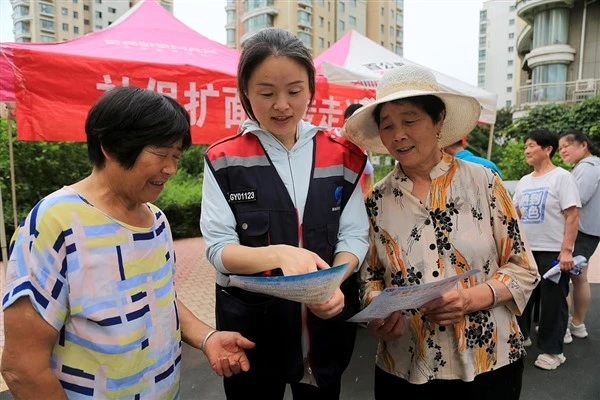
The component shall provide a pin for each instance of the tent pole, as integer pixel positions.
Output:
(12, 167)
(3, 245)
(490, 142)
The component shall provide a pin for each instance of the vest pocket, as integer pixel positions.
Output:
(253, 228)
(322, 239)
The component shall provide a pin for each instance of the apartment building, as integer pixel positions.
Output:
(58, 20)
(318, 23)
(498, 27)
(558, 52)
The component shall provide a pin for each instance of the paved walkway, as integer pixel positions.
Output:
(194, 281)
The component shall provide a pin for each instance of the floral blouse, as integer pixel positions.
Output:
(468, 222)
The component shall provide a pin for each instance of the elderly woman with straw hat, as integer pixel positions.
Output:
(431, 218)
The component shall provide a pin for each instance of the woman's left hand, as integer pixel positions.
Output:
(330, 308)
(225, 352)
(447, 309)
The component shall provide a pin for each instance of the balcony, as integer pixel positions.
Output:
(555, 54)
(530, 96)
(527, 9)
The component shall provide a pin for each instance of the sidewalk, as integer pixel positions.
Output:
(195, 276)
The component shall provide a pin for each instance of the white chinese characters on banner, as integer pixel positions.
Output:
(326, 112)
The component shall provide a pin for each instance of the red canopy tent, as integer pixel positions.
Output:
(54, 84)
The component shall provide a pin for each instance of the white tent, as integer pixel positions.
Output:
(357, 60)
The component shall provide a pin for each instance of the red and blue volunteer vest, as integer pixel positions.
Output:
(266, 215)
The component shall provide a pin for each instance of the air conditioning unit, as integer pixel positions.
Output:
(584, 89)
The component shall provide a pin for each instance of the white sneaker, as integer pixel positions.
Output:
(568, 338)
(578, 331)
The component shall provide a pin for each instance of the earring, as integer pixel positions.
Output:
(438, 134)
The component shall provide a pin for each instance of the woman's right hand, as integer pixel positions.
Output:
(295, 260)
(390, 328)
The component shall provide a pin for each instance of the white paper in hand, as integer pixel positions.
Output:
(311, 288)
(407, 297)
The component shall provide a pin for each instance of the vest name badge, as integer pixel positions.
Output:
(244, 196)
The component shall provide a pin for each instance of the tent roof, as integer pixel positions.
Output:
(357, 60)
(169, 41)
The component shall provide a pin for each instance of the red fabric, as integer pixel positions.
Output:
(55, 84)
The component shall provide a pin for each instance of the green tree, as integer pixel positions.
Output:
(584, 116)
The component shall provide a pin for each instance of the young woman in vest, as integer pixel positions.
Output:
(282, 198)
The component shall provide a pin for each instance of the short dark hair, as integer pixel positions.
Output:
(126, 119)
(263, 44)
(575, 135)
(431, 105)
(350, 110)
(544, 138)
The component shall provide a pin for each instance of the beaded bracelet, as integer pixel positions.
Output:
(209, 334)
(495, 303)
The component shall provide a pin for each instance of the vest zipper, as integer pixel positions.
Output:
(308, 376)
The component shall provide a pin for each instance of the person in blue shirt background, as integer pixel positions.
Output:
(458, 150)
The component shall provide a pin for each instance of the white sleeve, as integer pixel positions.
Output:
(217, 222)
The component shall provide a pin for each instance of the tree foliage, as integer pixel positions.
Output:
(558, 118)
(40, 168)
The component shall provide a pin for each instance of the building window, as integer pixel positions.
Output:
(86, 21)
(481, 68)
(75, 14)
(21, 11)
(481, 81)
(46, 38)
(65, 27)
(511, 22)
(341, 26)
(112, 10)
(304, 18)
(97, 27)
(47, 9)
(382, 11)
(64, 11)
(482, 29)
(76, 30)
(258, 22)
(482, 41)
(86, 7)
(321, 21)
(551, 27)
(382, 28)
(231, 36)
(21, 27)
(47, 24)
(392, 30)
(352, 3)
(321, 3)
(306, 39)
(352, 20)
(509, 76)
(510, 63)
(342, 7)
(511, 8)
(98, 14)
(98, 1)
(75, 1)
(511, 35)
(321, 43)
(511, 49)
(509, 89)
(508, 103)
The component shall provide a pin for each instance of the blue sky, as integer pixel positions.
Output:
(440, 34)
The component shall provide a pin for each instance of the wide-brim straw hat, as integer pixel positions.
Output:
(462, 112)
